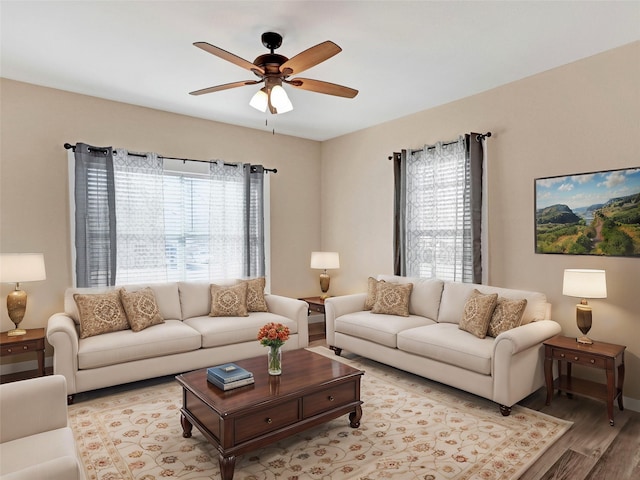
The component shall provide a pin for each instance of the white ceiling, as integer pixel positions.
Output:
(403, 57)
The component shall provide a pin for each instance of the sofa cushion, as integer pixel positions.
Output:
(230, 330)
(425, 296)
(55, 449)
(372, 293)
(255, 295)
(166, 296)
(229, 301)
(454, 297)
(507, 315)
(100, 313)
(445, 342)
(392, 299)
(141, 308)
(173, 336)
(477, 313)
(195, 297)
(381, 328)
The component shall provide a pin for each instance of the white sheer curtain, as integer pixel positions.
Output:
(437, 234)
(140, 233)
(227, 219)
(236, 202)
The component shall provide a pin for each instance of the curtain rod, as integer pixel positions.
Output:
(68, 146)
(479, 138)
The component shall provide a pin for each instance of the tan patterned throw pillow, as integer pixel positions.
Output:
(100, 313)
(393, 299)
(141, 308)
(255, 295)
(507, 315)
(477, 313)
(372, 293)
(229, 301)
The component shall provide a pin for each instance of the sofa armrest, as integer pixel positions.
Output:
(63, 336)
(296, 310)
(335, 307)
(518, 361)
(526, 336)
(32, 406)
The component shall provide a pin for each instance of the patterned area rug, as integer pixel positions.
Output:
(411, 428)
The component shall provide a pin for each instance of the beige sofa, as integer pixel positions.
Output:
(188, 338)
(35, 440)
(429, 343)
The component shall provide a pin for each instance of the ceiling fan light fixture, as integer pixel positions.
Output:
(260, 100)
(280, 99)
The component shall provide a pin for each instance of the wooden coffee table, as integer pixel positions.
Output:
(312, 390)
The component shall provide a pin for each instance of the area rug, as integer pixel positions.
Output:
(411, 428)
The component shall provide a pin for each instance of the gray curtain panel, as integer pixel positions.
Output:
(95, 218)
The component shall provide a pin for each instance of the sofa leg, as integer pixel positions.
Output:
(336, 350)
(505, 411)
(70, 399)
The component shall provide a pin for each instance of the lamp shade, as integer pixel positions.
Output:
(260, 100)
(584, 283)
(280, 100)
(21, 267)
(325, 260)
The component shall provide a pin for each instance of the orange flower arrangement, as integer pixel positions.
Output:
(273, 334)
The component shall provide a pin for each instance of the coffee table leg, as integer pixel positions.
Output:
(355, 416)
(186, 426)
(227, 466)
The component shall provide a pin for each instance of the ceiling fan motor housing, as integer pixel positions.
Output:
(270, 63)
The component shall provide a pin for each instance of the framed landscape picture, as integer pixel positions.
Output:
(589, 213)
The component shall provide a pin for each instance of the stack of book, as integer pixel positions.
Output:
(228, 376)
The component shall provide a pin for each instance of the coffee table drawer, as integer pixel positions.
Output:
(330, 398)
(265, 421)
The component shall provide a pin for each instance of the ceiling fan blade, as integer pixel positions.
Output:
(310, 57)
(323, 87)
(229, 57)
(226, 86)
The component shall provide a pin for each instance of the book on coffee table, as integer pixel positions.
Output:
(228, 373)
(230, 385)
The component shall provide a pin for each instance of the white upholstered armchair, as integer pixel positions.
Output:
(35, 440)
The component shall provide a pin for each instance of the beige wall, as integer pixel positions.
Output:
(582, 117)
(34, 207)
(578, 118)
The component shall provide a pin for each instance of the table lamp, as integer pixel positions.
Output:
(584, 284)
(16, 268)
(324, 261)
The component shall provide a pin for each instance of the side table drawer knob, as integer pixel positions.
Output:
(593, 361)
(269, 420)
(331, 399)
(9, 350)
(575, 358)
(562, 355)
(25, 348)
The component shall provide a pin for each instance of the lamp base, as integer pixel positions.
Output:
(16, 332)
(584, 340)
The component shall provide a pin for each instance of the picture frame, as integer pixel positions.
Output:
(596, 213)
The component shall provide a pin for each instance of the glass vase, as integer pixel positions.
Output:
(274, 360)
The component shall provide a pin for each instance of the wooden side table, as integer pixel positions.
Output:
(32, 341)
(604, 356)
(316, 304)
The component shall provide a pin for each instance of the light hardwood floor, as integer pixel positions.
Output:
(590, 450)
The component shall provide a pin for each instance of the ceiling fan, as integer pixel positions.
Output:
(273, 70)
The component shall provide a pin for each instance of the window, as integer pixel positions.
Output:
(141, 218)
(438, 212)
